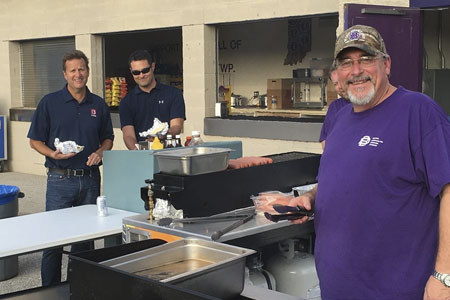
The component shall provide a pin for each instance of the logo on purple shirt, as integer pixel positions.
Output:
(366, 140)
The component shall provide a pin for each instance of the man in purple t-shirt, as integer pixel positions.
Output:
(334, 107)
(382, 204)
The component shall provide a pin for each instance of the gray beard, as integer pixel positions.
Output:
(359, 100)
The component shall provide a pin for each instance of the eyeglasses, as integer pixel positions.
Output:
(143, 71)
(364, 62)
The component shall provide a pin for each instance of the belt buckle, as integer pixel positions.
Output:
(79, 172)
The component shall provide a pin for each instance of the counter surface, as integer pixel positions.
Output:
(258, 226)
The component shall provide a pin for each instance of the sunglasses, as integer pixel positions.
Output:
(143, 71)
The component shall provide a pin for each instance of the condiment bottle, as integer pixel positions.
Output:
(188, 140)
(156, 145)
(274, 102)
(178, 141)
(168, 142)
(196, 139)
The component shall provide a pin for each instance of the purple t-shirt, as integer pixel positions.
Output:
(377, 202)
(335, 106)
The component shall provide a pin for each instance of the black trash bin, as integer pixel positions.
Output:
(9, 207)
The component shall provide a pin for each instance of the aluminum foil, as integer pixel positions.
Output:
(163, 209)
(67, 146)
(158, 128)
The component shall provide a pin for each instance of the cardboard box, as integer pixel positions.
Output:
(279, 84)
(280, 90)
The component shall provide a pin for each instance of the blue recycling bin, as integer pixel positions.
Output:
(9, 207)
(8, 201)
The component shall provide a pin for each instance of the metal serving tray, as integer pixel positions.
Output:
(208, 267)
(193, 160)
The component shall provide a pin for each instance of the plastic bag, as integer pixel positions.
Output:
(265, 200)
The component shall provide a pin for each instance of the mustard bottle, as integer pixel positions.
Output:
(156, 145)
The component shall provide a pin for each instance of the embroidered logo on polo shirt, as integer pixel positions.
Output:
(367, 140)
(93, 112)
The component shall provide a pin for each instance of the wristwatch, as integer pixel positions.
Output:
(444, 278)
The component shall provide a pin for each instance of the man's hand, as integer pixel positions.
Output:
(43, 149)
(95, 158)
(58, 155)
(435, 290)
(129, 137)
(307, 201)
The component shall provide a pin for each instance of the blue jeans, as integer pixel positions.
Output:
(66, 191)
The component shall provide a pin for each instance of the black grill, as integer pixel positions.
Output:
(213, 193)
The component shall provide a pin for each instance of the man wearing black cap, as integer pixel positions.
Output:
(382, 205)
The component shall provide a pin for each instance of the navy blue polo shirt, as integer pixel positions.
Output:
(139, 108)
(59, 115)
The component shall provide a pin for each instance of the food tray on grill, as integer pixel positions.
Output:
(193, 160)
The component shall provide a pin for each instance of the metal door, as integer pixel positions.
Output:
(401, 29)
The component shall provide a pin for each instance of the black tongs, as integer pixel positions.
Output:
(296, 212)
(209, 219)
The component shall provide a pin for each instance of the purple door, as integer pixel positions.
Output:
(401, 29)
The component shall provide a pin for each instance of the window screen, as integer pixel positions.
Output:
(41, 68)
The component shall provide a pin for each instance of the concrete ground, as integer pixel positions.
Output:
(29, 275)
(33, 186)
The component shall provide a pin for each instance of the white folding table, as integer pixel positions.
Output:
(39, 231)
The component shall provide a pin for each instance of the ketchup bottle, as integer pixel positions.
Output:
(188, 140)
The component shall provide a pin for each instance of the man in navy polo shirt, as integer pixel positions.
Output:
(382, 203)
(71, 114)
(149, 99)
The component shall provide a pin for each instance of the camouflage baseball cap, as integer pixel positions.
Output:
(362, 37)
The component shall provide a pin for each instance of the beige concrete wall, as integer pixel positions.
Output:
(198, 74)
(48, 18)
(84, 19)
(21, 158)
(91, 45)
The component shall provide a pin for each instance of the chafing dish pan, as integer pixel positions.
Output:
(208, 267)
(193, 160)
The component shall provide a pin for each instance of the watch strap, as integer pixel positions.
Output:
(441, 277)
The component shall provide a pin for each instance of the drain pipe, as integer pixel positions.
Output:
(440, 41)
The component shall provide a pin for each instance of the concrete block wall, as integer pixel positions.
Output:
(87, 20)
